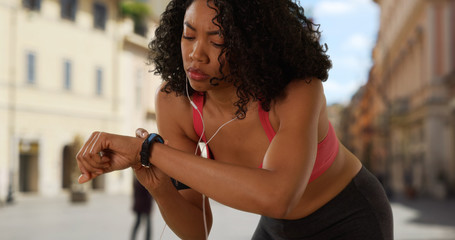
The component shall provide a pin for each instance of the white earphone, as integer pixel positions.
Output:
(202, 150)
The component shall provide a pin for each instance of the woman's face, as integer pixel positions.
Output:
(201, 45)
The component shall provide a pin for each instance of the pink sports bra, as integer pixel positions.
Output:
(327, 148)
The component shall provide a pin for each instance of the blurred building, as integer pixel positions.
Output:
(334, 113)
(67, 68)
(406, 111)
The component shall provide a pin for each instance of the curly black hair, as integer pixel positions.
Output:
(267, 44)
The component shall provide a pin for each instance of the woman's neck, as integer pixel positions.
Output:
(223, 99)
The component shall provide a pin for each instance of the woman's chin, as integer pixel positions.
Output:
(199, 86)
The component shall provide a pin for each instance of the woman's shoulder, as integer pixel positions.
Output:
(309, 91)
(302, 105)
(173, 109)
(170, 100)
(301, 97)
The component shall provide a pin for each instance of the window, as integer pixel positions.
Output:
(68, 9)
(31, 68)
(99, 15)
(140, 28)
(99, 81)
(32, 4)
(67, 74)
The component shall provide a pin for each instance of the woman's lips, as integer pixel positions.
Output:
(197, 74)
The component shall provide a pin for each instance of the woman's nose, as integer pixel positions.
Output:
(198, 54)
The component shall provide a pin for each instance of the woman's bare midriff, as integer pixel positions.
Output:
(328, 185)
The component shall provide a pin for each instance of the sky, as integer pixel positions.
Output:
(349, 27)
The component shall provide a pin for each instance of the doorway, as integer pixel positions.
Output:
(28, 166)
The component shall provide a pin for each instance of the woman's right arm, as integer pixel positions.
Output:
(182, 210)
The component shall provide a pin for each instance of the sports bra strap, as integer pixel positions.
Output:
(265, 121)
(198, 100)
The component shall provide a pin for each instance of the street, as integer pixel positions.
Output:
(106, 216)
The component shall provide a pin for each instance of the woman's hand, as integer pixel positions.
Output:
(151, 177)
(105, 152)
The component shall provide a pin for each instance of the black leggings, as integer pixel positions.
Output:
(360, 212)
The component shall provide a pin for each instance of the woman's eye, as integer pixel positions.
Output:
(218, 45)
(187, 37)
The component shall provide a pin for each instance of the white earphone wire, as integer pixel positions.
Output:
(199, 112)
(195, 153)
(204, 148)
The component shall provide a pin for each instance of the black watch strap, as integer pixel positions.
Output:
(178, 185)
(145, 156)
(146, 147)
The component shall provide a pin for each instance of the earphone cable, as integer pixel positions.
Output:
(204, 148)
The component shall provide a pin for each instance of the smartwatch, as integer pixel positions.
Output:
(146, 147)
(145, 156)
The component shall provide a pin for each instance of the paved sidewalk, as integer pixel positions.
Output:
(104, 216)
(424, 219)
(107, 216)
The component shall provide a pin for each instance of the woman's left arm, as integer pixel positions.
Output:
(275, 189)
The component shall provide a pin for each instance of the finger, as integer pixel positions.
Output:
(141, 133)
(84, 147)
(85, 178)
(102, 158)
(92, 168)
(95, 163)
(85, 175)
(89, 142)
(92, 162)
(95, 142)
(88, 165)
(84, 158)
(100, 165)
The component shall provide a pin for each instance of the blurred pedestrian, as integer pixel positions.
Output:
(142, 207)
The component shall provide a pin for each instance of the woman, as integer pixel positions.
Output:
(246, 78)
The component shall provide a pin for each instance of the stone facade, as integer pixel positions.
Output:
(406, 109)
(65, 72)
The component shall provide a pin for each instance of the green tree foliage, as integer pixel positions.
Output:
(138, 11)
